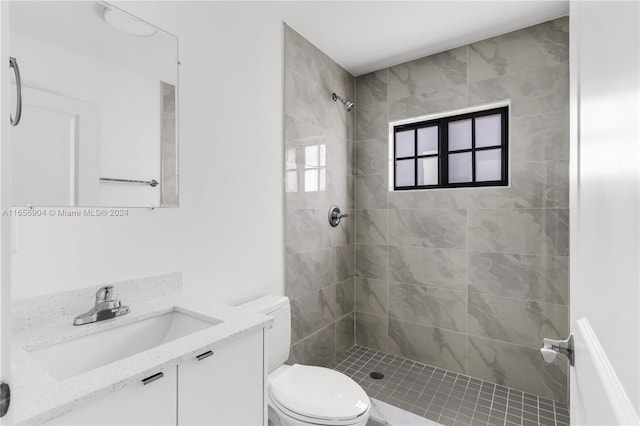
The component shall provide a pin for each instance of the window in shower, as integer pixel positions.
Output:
(464, 150)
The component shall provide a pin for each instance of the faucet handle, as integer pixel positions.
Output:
(104, 294)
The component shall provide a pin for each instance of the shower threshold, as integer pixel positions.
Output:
(443, 396)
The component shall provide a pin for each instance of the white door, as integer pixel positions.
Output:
(5, 202)
(55, 151)
(605, 212)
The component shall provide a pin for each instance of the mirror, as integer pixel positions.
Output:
(99, 107)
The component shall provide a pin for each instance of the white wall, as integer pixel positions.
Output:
(227, 234)
(605, 246)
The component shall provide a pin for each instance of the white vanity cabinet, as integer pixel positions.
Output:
(224, 387)
(136, 404)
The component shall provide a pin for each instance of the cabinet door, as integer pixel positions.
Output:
(225, 388)
(136, 404)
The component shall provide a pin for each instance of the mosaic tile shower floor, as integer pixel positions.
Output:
(444, 396)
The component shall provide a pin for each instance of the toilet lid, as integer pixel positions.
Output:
(319, 393)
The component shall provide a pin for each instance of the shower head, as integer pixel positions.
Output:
(348, 105)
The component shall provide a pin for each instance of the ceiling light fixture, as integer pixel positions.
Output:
(124, 22)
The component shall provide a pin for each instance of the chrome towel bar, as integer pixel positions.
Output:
(151, 182)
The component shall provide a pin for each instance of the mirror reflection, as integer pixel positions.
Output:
(99, 97)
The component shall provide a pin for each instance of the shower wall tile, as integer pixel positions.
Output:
(305, 59)
(304, 231)
(371, 261)
(540, 137)
(526, 231)
(428, 266)
(486, 268)
(345, 333)
(435, 307)
(538, 184)
(308, 230)
(303, 137)
(442, 198)
(539, 278)
(371, 121)
(312, 312)
(371, 331)
(434, 346)
(338, 189)
(372, 88)
(532, 92)
(371, 296)
(439, 100)
(319, 170)
(532, 47)
(423, 75)
(371, 191)
(522, 322)
(371, 226)
(440, 228)
(518, 367)
(345, 297)
(345, 262)
(309, 271)
(317, 349)
(372, 157)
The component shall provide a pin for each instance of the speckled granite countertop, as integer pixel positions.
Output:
(38, 397)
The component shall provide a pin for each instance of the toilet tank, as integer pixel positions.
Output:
(279, 336)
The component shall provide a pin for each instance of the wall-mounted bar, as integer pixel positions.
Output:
(151, 182)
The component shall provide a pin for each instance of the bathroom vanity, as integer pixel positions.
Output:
(172, 361)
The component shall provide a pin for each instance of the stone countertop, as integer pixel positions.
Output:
(37, 397)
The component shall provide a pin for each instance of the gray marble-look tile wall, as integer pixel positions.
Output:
(470, 280)
(319, 171)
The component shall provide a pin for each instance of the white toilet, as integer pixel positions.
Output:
(302, 394)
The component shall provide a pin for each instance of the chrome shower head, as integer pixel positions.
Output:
(348, 105)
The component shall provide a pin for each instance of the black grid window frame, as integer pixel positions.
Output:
(443, 150)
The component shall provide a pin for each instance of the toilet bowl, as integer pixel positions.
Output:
(304, 394)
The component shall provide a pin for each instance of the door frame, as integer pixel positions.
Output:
(5, 203)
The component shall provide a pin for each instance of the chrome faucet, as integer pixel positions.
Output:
(104, 309)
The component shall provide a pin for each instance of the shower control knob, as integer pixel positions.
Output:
(335, 215)
(549, 355)
(551, 348)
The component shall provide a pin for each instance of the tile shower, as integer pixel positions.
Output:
(319, 277)
(468, 281)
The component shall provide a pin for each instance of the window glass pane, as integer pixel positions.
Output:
(488, 165)
(428, 171)
(460, 167)
(405, 173)
(489, 130)
(405, 144)
(459, 135)
(428, 140)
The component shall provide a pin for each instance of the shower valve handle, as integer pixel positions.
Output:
(335, 215)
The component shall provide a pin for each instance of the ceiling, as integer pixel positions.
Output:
(365, 36)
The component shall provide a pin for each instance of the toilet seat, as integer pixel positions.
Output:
(318, 395)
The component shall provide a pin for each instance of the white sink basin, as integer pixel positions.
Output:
(67, 359)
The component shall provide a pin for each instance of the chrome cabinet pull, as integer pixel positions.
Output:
(152, 379)
(204, 355)
(13, 63)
